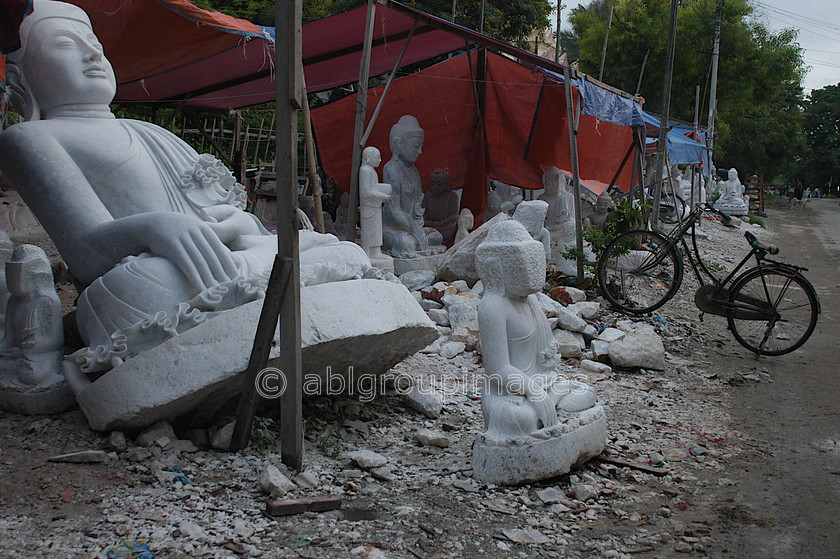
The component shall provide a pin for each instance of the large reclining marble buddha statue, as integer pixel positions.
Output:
(155, 231)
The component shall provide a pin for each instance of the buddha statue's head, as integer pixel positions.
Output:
(510, 262)
(406, 139)
(439, 181)
(371, 156)
(552, 179)
(603, 203)
(733, 174)
(531, 214)
(60, 62)
(29, 272)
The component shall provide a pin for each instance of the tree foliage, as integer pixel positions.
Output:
(821, 123)
(759, 75)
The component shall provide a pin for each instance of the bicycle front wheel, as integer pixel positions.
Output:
(773, 312)
(637, 274)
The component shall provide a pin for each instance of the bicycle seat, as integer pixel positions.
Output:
(751, 239)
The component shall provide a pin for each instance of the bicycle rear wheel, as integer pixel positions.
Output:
(775, 312)
(636, 274)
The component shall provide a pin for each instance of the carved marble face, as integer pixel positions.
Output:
(602, 205)
(410, 146)
(64, 65)
(733, 174)
(439, 181)
(371, 156)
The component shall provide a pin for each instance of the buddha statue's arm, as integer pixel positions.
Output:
(493, 317)
(88, 237)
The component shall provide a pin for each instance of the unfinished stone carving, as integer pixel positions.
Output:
(465, 224)
(538, 424)
(531, 215)
(31, 350)
(559, 218)
(441, 205)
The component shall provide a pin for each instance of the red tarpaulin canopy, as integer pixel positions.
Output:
(523, 109)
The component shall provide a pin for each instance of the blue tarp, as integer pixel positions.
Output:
(603, 104)
(681, 148)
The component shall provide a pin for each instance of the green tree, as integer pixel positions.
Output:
(821, 122)
(759, 75)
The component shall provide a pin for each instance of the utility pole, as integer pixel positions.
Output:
(710, 130)
(606, 38)
(481, 19)
(557, 37)
(666, 105)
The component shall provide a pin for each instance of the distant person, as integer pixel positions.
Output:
(798, 190)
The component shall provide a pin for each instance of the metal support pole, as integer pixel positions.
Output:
(570, 116)
(710, 129)
(606, 39)
(666, 105)
(361, 111)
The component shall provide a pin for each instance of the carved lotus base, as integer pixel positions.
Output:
(579, 437)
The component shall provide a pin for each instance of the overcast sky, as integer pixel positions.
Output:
(818, 22)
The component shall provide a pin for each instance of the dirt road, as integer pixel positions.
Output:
(786, 493)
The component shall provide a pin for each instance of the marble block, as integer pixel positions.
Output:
(205, 363)
(582, 436)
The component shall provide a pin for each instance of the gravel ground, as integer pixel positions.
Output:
(183, 501)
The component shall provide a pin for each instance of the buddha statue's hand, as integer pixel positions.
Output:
(191, 245)
(543, 407)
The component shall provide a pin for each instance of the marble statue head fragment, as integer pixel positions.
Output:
(510, 262)
(531, 214)
(28, 272)
(733, 174)
(552, 179)
(406, 139)
(60, 62)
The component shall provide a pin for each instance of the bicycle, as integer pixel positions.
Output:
(771, 308)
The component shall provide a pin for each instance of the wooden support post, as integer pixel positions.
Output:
(278, 283)
(289, 93)
(570, 116)
(238, 155)
(312, 166)
(666, 105)
(361, 113)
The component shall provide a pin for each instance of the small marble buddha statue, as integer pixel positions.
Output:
(732, 199)
(524, 390)
(372, 194)
(31, 350)
(494, 206)
(531, 214)
(466, 221)
(403, 232)
(598, 217)
(441, 205)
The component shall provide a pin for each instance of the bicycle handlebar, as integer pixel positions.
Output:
(772, 249)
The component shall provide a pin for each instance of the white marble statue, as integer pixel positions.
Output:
(510, 196)
(372, 194)
(466, 221)
(526, 400)
(155, 231)
(6, 250)
(531, 214)
(598, 216)
(559, 218)
(698, 196)
(494, 206)
(31, 350)
(732, 199)
(403, 231)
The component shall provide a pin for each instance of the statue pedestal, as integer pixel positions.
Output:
(578, 437)
(363, 325)
(384, 263)
(403, 265)
(55, 398)
(733, 209)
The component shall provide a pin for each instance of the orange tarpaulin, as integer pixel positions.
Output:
(526, 129)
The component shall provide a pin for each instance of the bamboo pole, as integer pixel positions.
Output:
(312, 166)
(570, 117)
(666, 105)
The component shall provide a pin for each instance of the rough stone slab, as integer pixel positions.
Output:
(288, 507)
(541, 459)
(639, 348)
(428, 263)
(418, 279)
(467, 333)
(424, 399)
(369, 325)
(367, 459)
(459, 261)
(273, 483)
